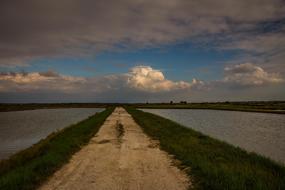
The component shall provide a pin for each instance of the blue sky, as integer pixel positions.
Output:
(177, 61)
(128, 51)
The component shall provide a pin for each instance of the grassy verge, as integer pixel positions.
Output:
(264, 107)
(213, 164)
(249, 106)
(28, 168)
(33, 106)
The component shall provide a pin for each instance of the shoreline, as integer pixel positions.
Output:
(275, 107)
(120, 156)
(28, 168)
(221, 109)
(214, 164)
(260, 107)
(208, 162)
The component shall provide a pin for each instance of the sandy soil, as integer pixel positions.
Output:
(119, 157)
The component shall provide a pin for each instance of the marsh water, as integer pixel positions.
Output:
(263, 133)
(21, 129)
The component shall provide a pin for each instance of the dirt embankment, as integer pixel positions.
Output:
(119, 157)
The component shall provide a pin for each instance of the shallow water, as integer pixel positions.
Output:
(263, 133)
(21, 129)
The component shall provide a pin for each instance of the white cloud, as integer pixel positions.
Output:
(147, 79)
(140, 78)
(248, 74)
(43, 81)
(141, 83)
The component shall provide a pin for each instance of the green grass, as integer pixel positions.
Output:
(265, 107)
(29, 168)
(213, 164)
(32, 106)
(250, 106)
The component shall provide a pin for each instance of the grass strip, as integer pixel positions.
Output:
(30, 167)
(250, 107)
(6, 107)
(213, 164)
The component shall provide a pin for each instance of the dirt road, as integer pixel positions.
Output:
(119, 157)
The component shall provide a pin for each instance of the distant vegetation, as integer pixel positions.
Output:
(213, 164)
(18, 107)
(28, 168)
(259, 106)
(252, 106)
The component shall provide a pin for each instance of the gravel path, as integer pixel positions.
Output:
(119, 157)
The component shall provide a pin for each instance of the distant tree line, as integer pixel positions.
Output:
(181, 102)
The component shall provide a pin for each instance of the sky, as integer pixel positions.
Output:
(142, 50)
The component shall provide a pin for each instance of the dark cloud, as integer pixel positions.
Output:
(49, 73)
(31, 29)
(248, 74)
(36, 29)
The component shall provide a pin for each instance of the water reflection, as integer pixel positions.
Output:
(263, 133)
(21, 129)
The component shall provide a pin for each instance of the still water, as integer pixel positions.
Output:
(21, 129)
(263, 133)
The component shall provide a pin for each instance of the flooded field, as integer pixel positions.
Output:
(262, 133)
(21, 129)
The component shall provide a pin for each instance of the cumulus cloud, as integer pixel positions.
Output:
(43, 81)
(248, 74)
(139, 78)
(147, 79)
(141, 83)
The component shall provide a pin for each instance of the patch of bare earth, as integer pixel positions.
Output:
(119, 157)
